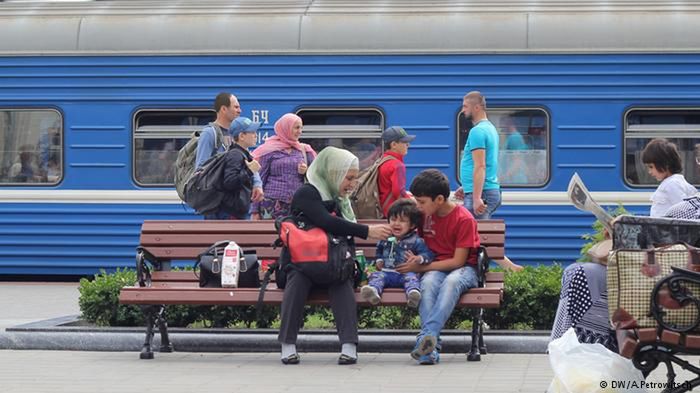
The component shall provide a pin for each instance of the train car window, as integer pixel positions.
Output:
(356, 130)
(158, 136)
(31, 147)
(523, 145)
(680, 126)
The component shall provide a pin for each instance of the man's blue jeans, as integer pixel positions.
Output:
(440, 293)
(492, 199)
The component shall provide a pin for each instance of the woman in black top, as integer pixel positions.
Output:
(324, 202)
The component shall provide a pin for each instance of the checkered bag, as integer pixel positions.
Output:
(632, 276)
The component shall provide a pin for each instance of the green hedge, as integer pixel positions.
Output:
(530, 302)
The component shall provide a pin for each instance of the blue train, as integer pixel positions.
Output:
(97, 97)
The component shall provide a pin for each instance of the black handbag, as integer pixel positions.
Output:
(209, 263)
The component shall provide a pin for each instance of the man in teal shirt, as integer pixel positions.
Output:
(479, 170)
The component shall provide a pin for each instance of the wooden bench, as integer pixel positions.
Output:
(650, 347)
(165, 241)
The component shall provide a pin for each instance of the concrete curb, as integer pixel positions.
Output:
(58, 334)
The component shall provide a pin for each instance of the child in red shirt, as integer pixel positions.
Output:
(450, 232)
(391, 179)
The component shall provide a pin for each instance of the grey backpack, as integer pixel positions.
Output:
(186, 157)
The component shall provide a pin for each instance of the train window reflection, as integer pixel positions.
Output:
(523, 159)
(31, 147)
(158, 136)
(356, 130)
(680, 126)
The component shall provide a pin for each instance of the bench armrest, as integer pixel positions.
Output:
(145, 262)
(672, 292)
(482, 265)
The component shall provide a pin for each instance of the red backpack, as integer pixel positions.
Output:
(322, 257)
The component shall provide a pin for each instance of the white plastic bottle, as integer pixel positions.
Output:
(230, 265)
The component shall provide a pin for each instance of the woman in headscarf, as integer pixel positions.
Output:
(325, 202)
(283, 163)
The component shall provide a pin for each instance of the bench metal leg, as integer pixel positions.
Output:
(474, 354)
(165, 344)
(482, 346)
(647, 358)
(150, 317)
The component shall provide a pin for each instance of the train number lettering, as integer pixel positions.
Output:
(260, 115)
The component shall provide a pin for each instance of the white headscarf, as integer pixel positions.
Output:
(328, 171)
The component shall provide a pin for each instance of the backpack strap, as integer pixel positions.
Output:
(385, 159)
(218, 135)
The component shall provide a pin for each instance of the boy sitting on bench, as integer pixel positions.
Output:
(450, 232)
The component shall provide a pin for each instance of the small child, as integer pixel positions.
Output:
(664, 164)
(405, 245)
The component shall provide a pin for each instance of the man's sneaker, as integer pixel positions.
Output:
(413, 297)
(429, 359)
(425, 345)
(370, 294)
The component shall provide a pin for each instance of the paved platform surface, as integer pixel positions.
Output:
(67, 371)
(105, 372)
(30, 302)
(62, 371)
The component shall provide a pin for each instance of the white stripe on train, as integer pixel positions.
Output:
(170, 197)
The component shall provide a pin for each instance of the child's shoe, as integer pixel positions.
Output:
(413, 297)
(370, 294)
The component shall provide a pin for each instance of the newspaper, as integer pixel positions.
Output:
(581, 198)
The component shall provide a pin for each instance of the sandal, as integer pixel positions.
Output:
(346, 359)
(291, 359)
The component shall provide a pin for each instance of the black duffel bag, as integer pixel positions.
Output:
(209, 263)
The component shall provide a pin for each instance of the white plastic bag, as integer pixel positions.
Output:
(590, 368)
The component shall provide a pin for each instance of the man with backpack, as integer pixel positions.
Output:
(391, 180)
(207, 143)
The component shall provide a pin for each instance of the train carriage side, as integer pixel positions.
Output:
(98, 131)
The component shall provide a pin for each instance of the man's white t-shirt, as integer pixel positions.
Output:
(672, 190)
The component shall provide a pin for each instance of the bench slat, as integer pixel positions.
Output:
(208, 226)
(491, 277)
(494, 288)
(272, 287)
(190, 253)
(692, 341)
(627, 342)
(249, 296)
(261, 239)
(217, 226)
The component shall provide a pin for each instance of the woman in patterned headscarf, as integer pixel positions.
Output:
(283, 163)
(325, 202)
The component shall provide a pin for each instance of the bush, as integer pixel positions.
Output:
(99, 304)
(530, 301)
(99, 300)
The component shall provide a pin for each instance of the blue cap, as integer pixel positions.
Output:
(396, 134)
(243, 124)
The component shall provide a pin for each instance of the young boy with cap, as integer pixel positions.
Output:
(239, 166)
(391, 180)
